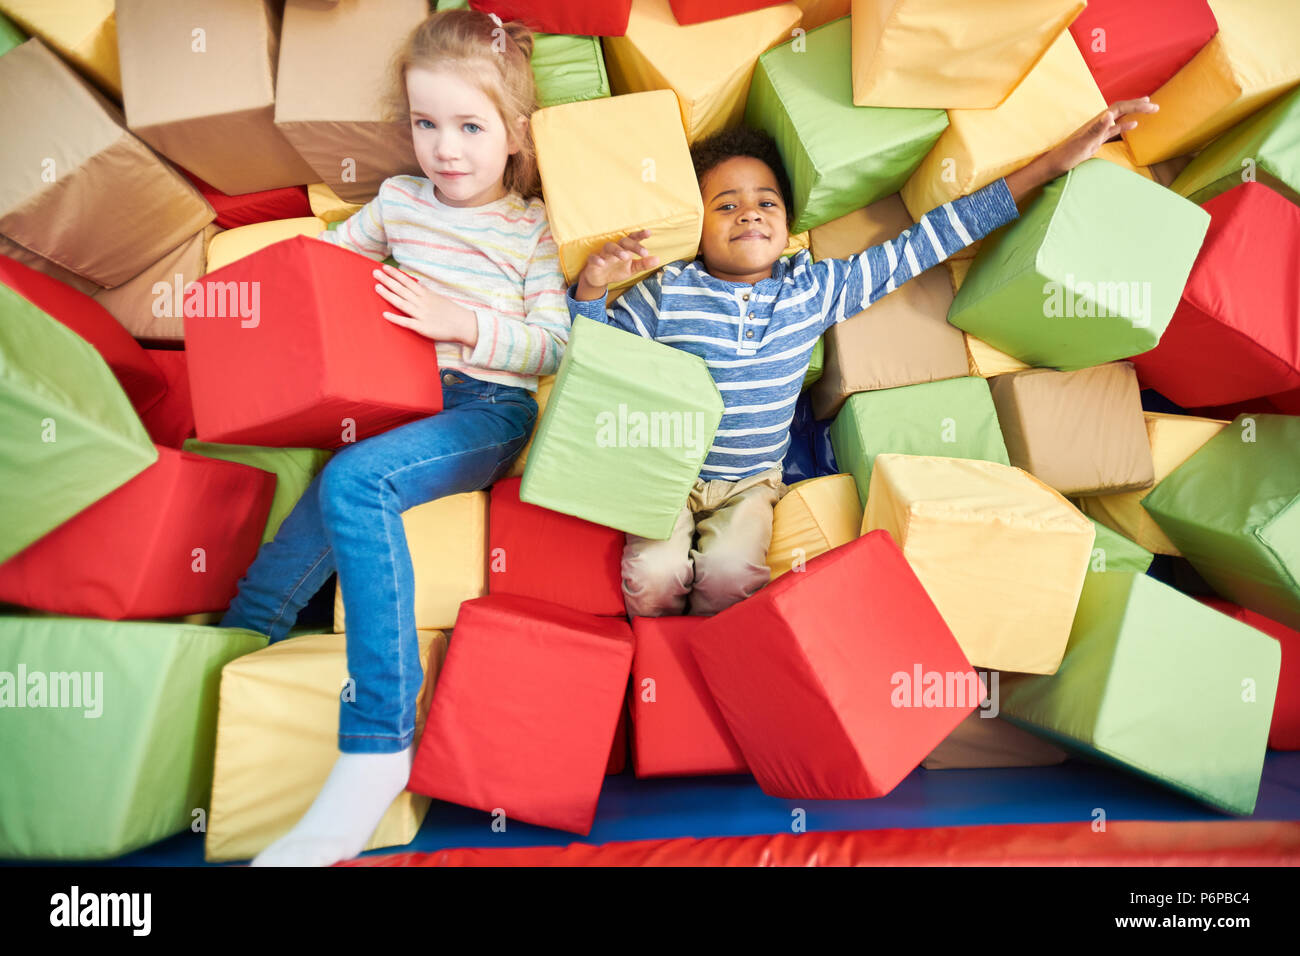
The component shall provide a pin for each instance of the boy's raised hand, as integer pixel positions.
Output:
(615, 263)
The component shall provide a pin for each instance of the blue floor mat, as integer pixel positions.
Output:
(632, 809)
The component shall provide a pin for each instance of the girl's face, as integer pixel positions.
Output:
(460, 140)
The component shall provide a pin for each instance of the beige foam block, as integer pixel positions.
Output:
(1081, 432)
(951, 54)
(335, 61)
(812, 517)
(1173, 440)
(277, 740)
(1002, 555)
(76, 187)
(326, 204)
(152, 304)
(817, 12)
(447, 541)
(980, 741)
(1057, 97)
(1250, 62)
(617, 165)
(1167, 170)
(83, 32)
(903, 338)
(984, 361)
(30, 259)
(233, 244)
(708, 66)
(198, 81)
(543, 394)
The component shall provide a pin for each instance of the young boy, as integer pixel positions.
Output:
(754, 318)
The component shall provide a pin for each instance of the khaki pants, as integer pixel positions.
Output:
(734, 522)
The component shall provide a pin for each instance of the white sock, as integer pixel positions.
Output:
(339, 822)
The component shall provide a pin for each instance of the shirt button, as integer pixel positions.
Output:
(745, 296)
(749, 334)
(751, 315)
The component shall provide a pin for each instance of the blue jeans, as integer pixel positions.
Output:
(350, 519)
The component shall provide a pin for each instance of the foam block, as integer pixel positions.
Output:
(327, 205)
(984, 361)
(687, 12)
(150, 548)
(904, 338)
(677, 730)
(839, 157)
(817, 12)
(1232, 510)
(950, 54)
(76, 187)
(66, 420)
(1011, 609)
(1233, 336)
(980, 741)
(708, 66)
(605, 19)
(234, 244)
(10, 35)
(821, 676)
(1142, 657)
(136, 714)
(639, 415)
(277, 740)
(544, 385)
(142, 306)
(1091, 272)
(82, 32)
(1132, 49)
(1111, 551)
(954, 418)
(294, 469)
(1173, 439)
(812, 517)
(207, 102)
(244, 209)
(447, 541)
(525, 713)
(171, 421)
(1081, 432)
(525, 542)
(1284, 732)
(354, 373)
(1249, 63)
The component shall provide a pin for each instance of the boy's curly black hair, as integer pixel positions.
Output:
(743, 141)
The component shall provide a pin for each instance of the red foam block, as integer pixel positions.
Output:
(171, 420)
(698, 11)
(1284, 732)
(607, 18)
(140, 378)
(1234, 335)
(820, 675)
(677, 730)
(244, 209)
(173, 540)
(525, 714)
(314, 364)
(1142, 45)
(539, 553)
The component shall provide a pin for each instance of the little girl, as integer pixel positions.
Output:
(488, 288)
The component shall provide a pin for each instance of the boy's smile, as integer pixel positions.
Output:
(745, 228)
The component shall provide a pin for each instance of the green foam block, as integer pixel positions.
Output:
(1157, 683)
(1111, 551)
(1233, 510)
(1265, 146)
(625, 432)
(839, 157)
(10, 35)
(952, 418)
(125, 758)
(1091, 272)
(294, 469)
(816, 365)
(70, 435)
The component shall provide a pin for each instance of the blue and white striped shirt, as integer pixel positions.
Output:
(757, 340)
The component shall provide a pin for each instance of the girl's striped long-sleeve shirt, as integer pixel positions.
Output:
(757, 340)
(498, 260)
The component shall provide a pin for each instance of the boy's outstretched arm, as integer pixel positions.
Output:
(637, 310)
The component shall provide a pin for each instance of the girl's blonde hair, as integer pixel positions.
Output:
(496, 59)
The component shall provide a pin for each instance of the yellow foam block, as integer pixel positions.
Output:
(1055, 99)
(980, 741)
(812, 517)
(226, 247)
(326, 204)
(951, 54)
(543, 394)
(817, 12)
(277, 740)
(984, 360)
(447, 540)
(1174, 439)
(1251, 61)
(616, 165)
(707, 65)
(83, 32)
(1002, 555)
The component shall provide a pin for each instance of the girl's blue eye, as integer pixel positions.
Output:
(475, 125)
(419, 121)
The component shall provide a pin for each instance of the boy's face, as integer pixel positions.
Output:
(455, 128)
(744, 220)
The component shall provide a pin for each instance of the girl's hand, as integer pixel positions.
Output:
(615, 263)
(422, 310)
(1084, 142)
